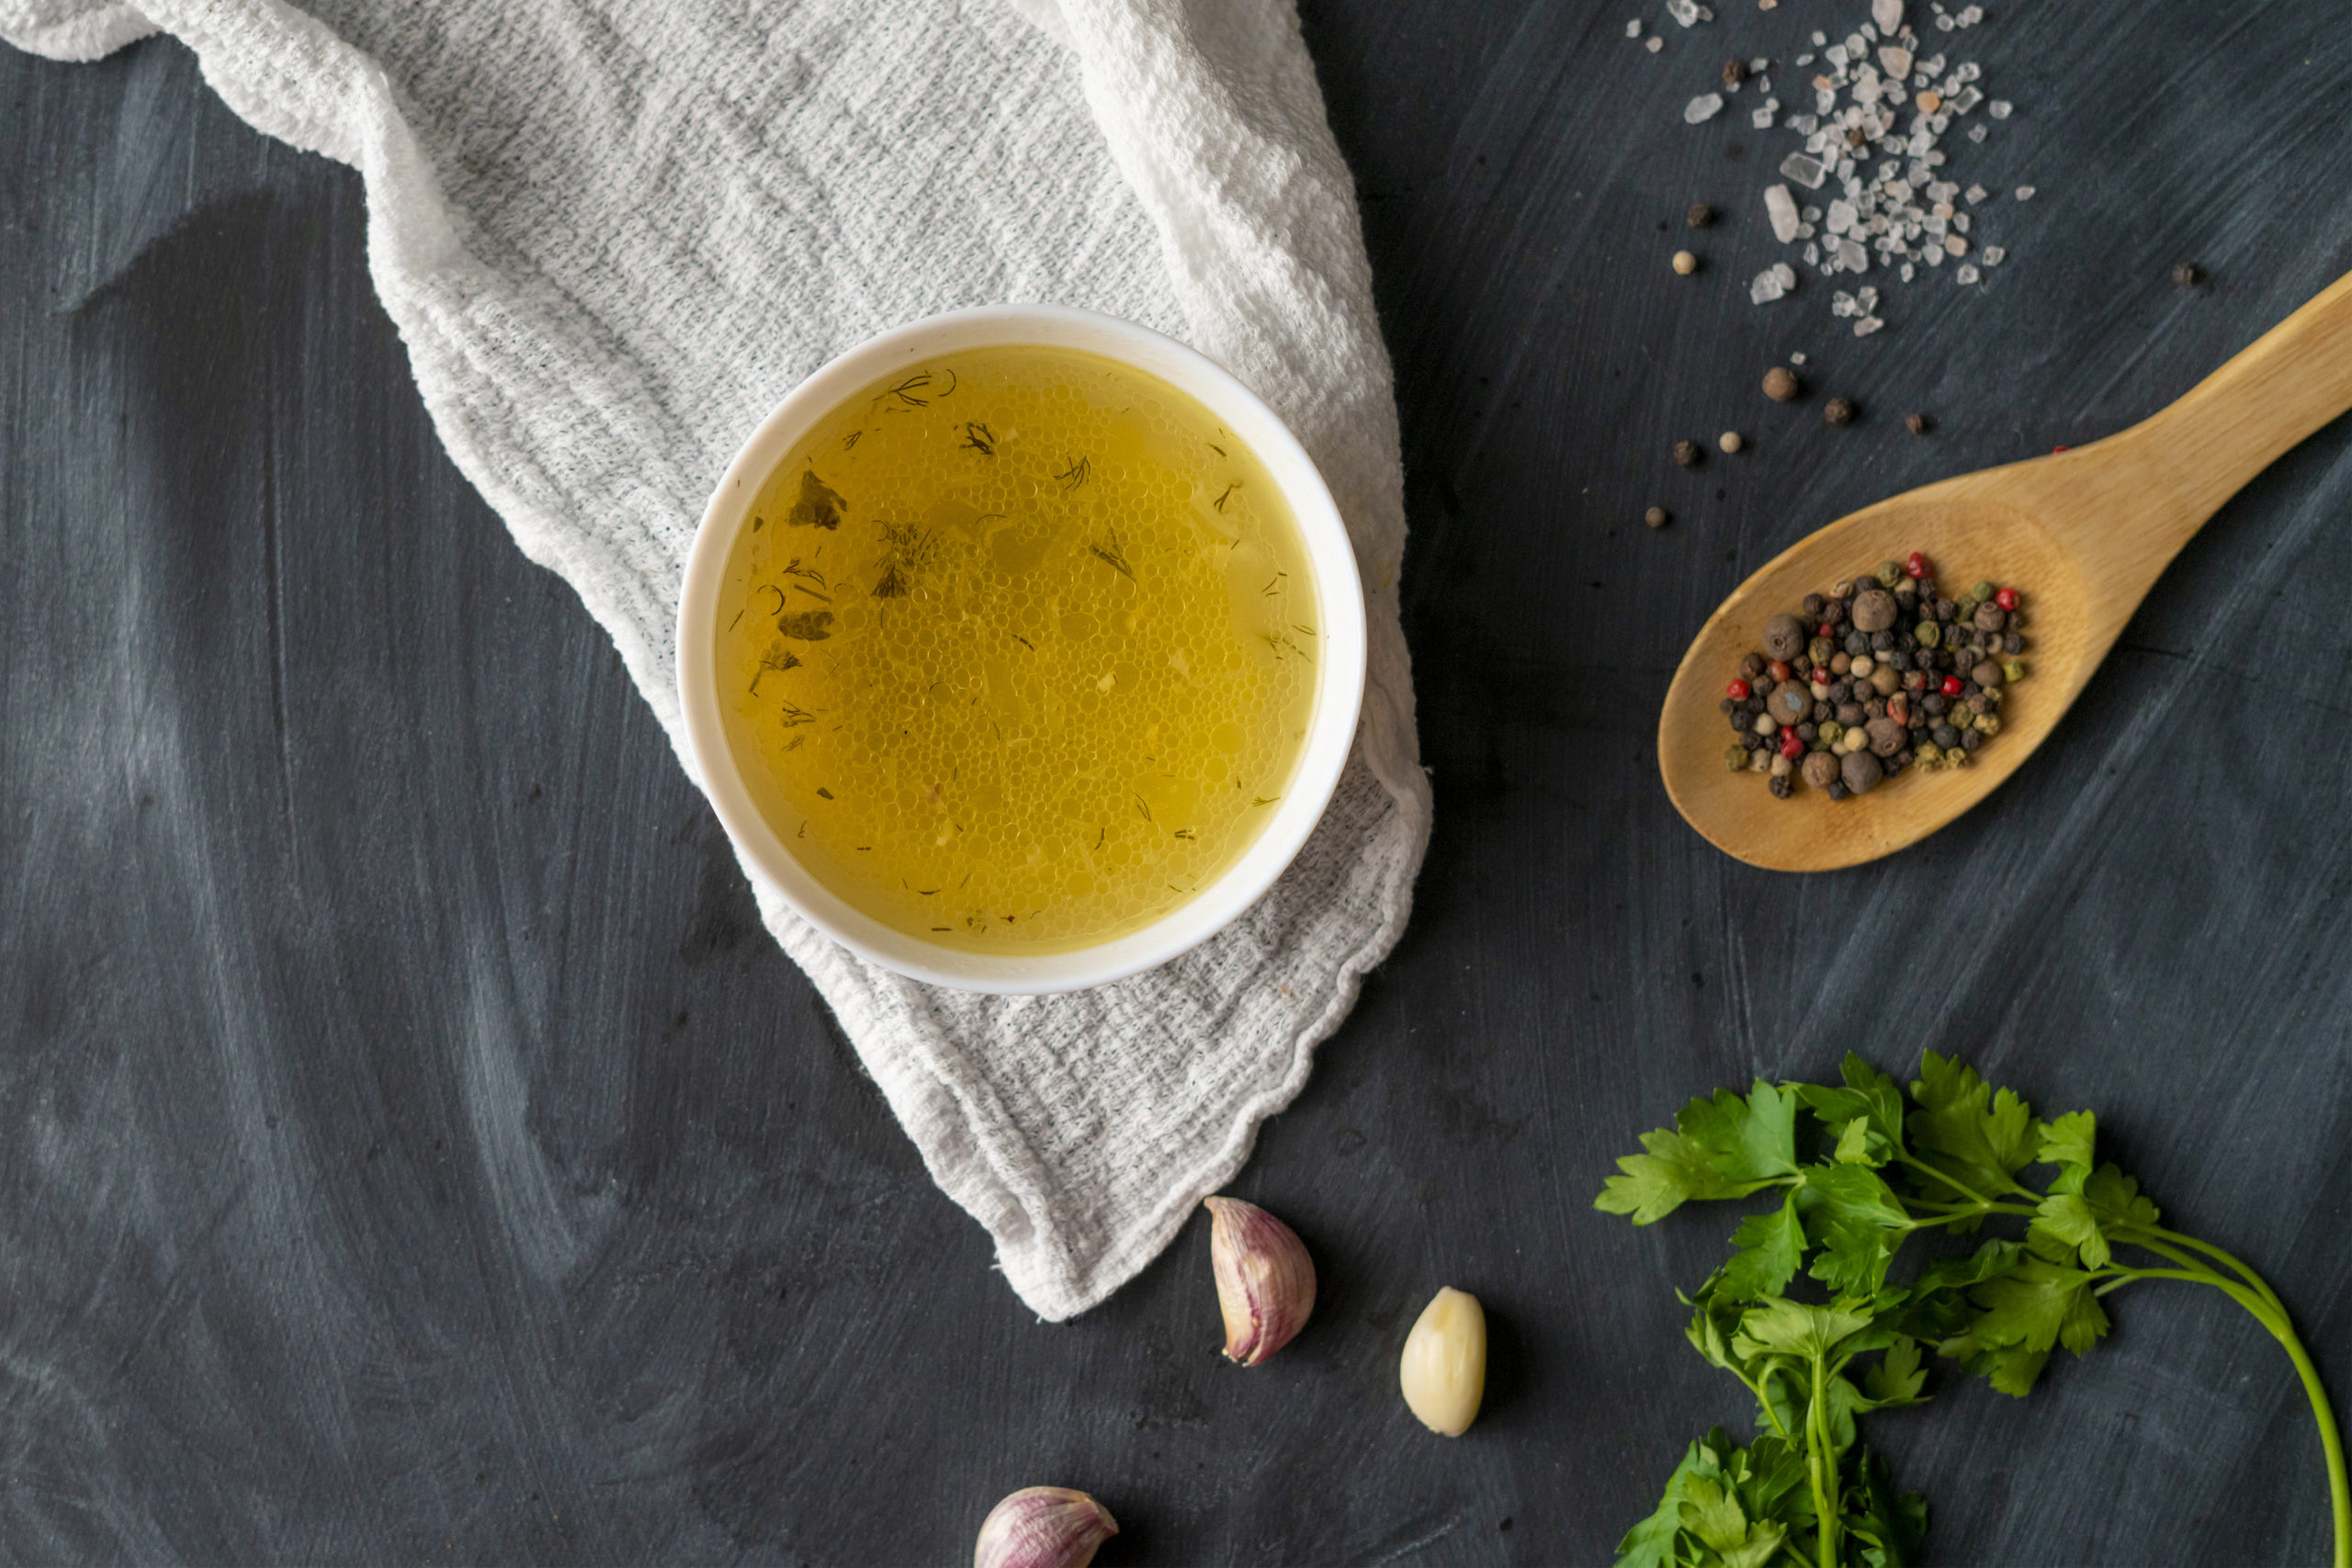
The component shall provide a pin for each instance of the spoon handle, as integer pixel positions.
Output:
(2238, 421)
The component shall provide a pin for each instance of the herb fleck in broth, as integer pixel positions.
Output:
(1020, 650)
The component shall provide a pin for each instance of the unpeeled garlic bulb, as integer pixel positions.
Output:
(1042, 1527)
(1444, 1368)
(1265, 1281)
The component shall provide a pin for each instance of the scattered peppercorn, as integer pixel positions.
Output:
(1875, 675)
(1837, 411)
(1699, 215)
(2187, 274)
(1685, 263)
(1734, 73)
(1780, 384)
(1657, 517)
(1729, 441)
(1688, 454)
(1917, 423)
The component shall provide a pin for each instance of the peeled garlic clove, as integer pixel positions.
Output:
(1265, 1281)
(1042, 1527)
(1445, 1370)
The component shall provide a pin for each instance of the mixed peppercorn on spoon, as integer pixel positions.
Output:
(2088, 530)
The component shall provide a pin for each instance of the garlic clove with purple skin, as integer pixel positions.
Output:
(1042, 1527)
(1265, 1281)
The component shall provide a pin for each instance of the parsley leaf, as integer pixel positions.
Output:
(1652, 1185)
(1770, 1246)
(1981, 1139)
(1796, 1328)
(1870, 1098)
(1893, 1527)
(1854, 1217)
(1753, 1140)
(1723, 1147)
(2067, 1140)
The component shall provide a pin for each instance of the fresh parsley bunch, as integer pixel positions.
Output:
(1859, 1168)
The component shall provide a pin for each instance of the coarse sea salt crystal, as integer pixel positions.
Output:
(1855, 258)
(1633, 27)
(1976, 133)
(1807, 172)
(1706, 106)
(1895, 59)
(1867, 325)
(1655, 44)
(1683, 11)
(1965, 274)
(1761, 118)
(1994, 255)
(2000, 108)
(1888, 15)
(2024, 193)
(1797, 357)
(1977, 194)
(1766, 287)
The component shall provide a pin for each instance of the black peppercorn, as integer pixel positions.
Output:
(1882, 641)
(1780, 786)
(2012, 644)
(1750, 738)
(1944, 736)
(1838, 791)
(1688, 454)
(1752, 666)
(1699, 215)
(1657, 517)
(1858, 642)
(1935, 701)
(2187, 274)
(1970, 739)
(1837, 411)
(1813, 607)
(1833, 612)
(1734, 73)
(1917, 423)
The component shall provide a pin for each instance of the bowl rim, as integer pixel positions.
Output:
(1340, 674)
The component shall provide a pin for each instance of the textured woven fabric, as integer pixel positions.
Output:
(614, 234)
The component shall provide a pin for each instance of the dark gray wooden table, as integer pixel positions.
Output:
(414, 1149)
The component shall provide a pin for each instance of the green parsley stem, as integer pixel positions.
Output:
(2339, 1488)
(2210, 1250)
(2259, 1298)
(1948, 1180)
(1818, 1460)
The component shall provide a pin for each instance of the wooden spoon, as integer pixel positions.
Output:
(2082, 534)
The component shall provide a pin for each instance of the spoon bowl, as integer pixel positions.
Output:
(2082, 534)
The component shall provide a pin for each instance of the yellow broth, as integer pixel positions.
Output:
(1019, 649)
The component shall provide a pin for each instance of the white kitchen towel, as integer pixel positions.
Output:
(614, 233)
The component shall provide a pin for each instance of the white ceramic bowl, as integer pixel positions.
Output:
(1338, 694)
